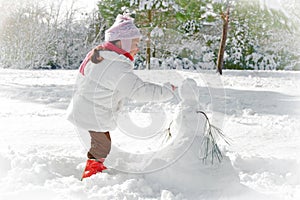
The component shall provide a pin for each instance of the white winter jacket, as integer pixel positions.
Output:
(99, 92)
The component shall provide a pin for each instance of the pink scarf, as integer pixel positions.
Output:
(106, 46)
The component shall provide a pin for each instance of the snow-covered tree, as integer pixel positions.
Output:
(176, 33)
(155, 17)
(257, 39)
(22, 36)
(37, 35)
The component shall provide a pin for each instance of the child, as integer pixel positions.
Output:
(106, 78)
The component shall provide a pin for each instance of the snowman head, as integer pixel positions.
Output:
(189, 90)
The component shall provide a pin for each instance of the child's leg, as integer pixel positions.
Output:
(100, 148)
(100, 145)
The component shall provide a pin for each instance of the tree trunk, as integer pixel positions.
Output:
(225, 18)
(148, 50)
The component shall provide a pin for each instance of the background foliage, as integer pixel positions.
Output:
(177, 34)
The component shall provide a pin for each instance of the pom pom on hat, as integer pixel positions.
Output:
(123, 28)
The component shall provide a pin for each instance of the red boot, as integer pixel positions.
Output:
(92, 167)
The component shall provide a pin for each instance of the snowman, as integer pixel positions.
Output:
(185, 151)
(187, 120)
(189, 126)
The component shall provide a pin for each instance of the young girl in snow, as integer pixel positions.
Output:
(106, 78)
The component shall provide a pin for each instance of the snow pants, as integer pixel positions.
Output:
(100, 145)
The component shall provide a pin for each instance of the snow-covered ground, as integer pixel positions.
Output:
(42, 156)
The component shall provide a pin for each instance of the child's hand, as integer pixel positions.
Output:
(96, 58)
(170, 86)
(173, 87)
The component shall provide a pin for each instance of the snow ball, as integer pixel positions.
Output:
(5, 165)
(248, 111)
(167, 195)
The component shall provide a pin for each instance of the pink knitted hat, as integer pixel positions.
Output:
(123, 29)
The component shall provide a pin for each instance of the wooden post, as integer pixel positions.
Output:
(225, 18)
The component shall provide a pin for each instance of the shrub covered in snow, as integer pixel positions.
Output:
(38, 36)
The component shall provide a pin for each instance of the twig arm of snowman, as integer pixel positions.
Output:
(209, 145)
